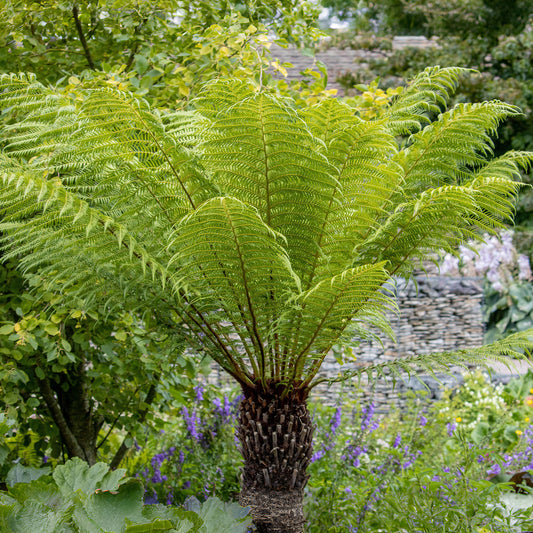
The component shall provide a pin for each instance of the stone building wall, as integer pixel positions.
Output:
(337, 61)
(340, 61)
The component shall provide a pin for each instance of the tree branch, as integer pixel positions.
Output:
(73, 447)
(81, 35)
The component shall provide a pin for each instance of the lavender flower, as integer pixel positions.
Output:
(368, 413)
(193, 423)
(151, 500)
(330, 436)
(199, 391)
(450, 427)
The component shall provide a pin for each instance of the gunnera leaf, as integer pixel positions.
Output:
(221, 517)
(183, 521)
(107, 511)
(76, 475)
(25, 474)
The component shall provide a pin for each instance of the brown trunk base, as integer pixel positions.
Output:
(275, 511)
(276, 435)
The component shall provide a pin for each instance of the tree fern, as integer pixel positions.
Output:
(270, 234)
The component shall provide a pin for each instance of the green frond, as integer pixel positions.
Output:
(450, 148)
(327, 309)
(111, 147)
(443, 217)
(23, 94)
(360, 153)
(328, 118)
(515, 346)
(262, 153)
(55, 232)
(425, 96)
(186, 127)
(228, 260)
(219, 96)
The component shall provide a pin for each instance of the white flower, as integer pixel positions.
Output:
(467, 255)
(523, 267)
(450, 265)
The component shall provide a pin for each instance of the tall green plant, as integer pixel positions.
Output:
(270, 234)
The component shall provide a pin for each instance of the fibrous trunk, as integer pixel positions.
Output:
(276, 436)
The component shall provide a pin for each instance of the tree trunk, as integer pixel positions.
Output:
(71, 408)
(276, 443)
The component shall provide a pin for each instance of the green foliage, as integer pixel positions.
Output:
(463, 18)
(487, 413)
(43, 339)
(195, 455)
(510, 310)
(163, 51)
(78, 498)
(269, 240)
(418, 469)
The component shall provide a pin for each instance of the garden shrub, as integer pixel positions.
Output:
(76, 497)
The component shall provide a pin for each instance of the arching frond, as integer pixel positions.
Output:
(328, 118)
(232, 267)
(450, 148)
(425, 96)
(327, 309)
(515, 346)
(262, 153)
(56, 233)
(443, 217)
(368, 176)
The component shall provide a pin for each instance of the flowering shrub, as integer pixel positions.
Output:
(352, 467)
(430, 469)
(195, 454)
(437, 467)
(481, 409)
(508, 291)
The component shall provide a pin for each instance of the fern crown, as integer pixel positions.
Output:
(271, 233)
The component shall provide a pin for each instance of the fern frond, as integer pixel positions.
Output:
(328, 118)
(427, 94)
(229, 260)
(515, 346)
(447, 150)
(49, 227)
(327, 309)
(446, 215)
(262, 153)
(360, 153)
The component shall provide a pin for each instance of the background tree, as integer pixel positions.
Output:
(161, 50)
(269, 234)
(60, 363)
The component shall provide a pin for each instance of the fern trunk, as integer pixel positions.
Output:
(276, 442)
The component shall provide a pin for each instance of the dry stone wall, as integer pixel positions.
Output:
(437, 314)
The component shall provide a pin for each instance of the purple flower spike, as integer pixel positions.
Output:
(199, 391)
(450, 427)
